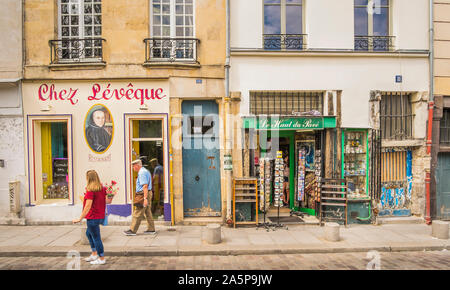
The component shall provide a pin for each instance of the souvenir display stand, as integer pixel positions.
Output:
(265, 188)
(245, 201)
(278, 185)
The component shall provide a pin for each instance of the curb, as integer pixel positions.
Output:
(225, 252)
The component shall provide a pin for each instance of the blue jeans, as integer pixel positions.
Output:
(93, 235)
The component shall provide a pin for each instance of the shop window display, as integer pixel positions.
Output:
(54, 160)
(355, 163)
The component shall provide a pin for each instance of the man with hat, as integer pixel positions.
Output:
(142, 211)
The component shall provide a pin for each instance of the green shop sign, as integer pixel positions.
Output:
(290, 123)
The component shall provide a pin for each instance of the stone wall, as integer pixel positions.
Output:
(420, 162)
(12, 152)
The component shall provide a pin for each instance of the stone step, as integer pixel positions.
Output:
(202, 221)
(400, 220)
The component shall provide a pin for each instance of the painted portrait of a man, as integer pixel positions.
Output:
(98, 128)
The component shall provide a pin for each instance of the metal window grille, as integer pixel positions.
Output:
(393, 166)
(285, 103)
(396, 116)
(445, 128)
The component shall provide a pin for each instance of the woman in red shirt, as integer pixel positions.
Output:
(94, 205)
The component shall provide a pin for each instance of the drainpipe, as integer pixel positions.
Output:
(227, 126)
(430, 116)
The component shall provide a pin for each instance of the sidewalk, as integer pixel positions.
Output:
(187, 240)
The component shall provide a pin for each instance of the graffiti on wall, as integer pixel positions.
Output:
(396, 195)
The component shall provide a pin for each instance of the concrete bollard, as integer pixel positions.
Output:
(83, 239)
(332, 232)
(213, 234)
(440, 230)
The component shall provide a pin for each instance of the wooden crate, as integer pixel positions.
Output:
(333, 193)
(245, 194)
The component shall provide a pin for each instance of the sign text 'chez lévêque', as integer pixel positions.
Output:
(51, 93)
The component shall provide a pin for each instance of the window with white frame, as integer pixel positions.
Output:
(171, 30)
(283, 24)
(372, 25)
(79, 31)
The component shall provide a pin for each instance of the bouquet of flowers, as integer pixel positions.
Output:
(111, 190)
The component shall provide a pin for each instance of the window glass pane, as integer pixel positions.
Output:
(166, 31)
(189, 20)
(294, 1)
(156, 9)
(361, 2)
(188, 31)
(166, 9)
(361, 22)
(157, 20)
(98, 19)
(272, 19)
(150, 128)
(381, 22)
(179, 20)
(189, 9)
(166, 20)
(294, 20)
(271, 1)
(180, 31)
(156, 30)
(97, 30)
(88, 30)
(97, 8)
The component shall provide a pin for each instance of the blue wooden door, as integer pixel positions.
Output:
(201, 159)
(443, 186)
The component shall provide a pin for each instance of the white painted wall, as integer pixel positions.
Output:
(355, 76)
(247, 23)
(11, 121)
(329, 24)
(411, 24)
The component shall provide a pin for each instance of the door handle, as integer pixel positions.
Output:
(197, 178)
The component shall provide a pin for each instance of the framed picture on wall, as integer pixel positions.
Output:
(99, 128)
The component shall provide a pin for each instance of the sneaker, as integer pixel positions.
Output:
(149, 233)
(91, 258)
(129, 233)
(98, 262)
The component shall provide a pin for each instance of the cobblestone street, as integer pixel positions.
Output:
(339, 261)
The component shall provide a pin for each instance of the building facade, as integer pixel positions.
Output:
(108, 82)
(343, 85)
(12, 170)
(440, 151)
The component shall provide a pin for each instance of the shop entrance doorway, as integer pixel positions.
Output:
(147, 144)
(291, 173)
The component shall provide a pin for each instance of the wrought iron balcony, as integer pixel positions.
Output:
(374, 43)
(166, 49)
(284, 41)
(75, 50)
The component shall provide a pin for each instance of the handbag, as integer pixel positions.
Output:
(139, 199)
(105, 220)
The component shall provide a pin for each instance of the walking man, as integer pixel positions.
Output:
(144, 211)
